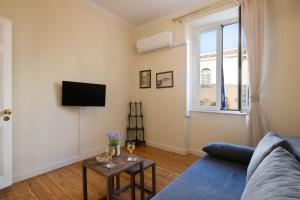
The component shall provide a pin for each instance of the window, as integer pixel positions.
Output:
(218, 55)
(245, 76)
(230, 72)
(207, 62)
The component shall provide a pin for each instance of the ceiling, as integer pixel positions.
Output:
(141, 12)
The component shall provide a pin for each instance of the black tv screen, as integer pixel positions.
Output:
(83, 94)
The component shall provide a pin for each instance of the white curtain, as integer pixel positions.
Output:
(253, 13)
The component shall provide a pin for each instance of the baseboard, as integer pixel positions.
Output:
(167, 147)
(181, 151)
(91, 153)
(196, 152)
(57, 165)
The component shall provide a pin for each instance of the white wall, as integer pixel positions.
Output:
(64, 40)
(164, 108)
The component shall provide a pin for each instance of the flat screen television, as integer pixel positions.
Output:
(83, 94)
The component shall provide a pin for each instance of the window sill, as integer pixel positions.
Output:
(228, 112)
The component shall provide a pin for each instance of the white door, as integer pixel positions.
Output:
(5, 103)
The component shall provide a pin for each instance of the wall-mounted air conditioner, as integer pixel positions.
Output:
(154, 42)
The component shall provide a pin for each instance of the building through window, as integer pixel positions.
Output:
(205, 79)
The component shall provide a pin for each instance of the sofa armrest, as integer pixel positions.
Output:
(231, 152)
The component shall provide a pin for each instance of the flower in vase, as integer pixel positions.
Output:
(114, 137)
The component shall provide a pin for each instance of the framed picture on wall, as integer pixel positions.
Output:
(164, 79)
(145, 79)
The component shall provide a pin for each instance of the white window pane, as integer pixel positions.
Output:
(231, 66)
(245, 75)
(208, 65)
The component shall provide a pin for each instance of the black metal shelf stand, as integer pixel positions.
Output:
(135, 129)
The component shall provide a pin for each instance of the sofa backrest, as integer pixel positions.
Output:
(295, 143)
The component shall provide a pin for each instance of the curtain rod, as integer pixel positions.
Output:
(206, 8)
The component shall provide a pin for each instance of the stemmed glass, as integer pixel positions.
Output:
(130, 148)
(110, 152)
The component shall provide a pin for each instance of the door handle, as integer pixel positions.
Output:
(6, 118)
(7, 111)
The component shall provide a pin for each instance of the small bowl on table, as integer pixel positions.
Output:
(101, 159)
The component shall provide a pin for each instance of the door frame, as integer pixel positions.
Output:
(7, 101)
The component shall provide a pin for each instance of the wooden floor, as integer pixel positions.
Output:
(66, 183)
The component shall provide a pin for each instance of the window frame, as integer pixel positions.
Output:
(239, 109)
(217, 17)
(195, 70)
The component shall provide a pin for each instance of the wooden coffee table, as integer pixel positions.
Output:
(122, 165)
(136, 170)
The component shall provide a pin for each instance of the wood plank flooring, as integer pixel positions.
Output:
(66, 183)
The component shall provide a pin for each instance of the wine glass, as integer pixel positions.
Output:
(130, 148)
(110, 152)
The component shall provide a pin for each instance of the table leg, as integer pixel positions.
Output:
(109, 188)
(84, 183)
(118, 182)
(132, 182)
(113, 184)
(154, 178)
(142, 181)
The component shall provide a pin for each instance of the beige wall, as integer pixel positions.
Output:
(281, 93)
(64, 40)
(164, 108)
(165, 121)
(69, 40)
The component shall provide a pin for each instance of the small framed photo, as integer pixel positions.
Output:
(145, 79)
(164, 79)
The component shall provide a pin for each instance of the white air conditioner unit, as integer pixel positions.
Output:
(158, 41)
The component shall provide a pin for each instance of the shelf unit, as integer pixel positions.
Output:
(135, 129)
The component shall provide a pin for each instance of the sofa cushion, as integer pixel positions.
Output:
(231, 152)
(295, 145)
(208, 178)
(267, 144)
(276, 178)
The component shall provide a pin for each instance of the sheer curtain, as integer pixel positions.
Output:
(252, 12)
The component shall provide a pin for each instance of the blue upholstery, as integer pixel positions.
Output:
(231, 152)
(265, 146)
(211, 178)
(208, 178)
(295, 143)
(276, 178)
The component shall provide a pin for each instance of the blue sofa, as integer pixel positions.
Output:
(211, 178)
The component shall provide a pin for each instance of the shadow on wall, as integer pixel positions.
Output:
(58, 93)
